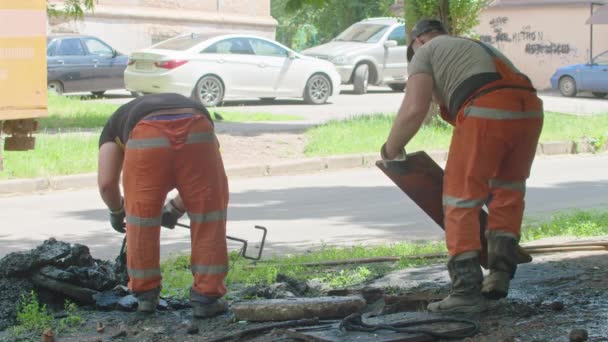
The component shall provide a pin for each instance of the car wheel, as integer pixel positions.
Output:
(209, 91)
(599, 95)
(318, 89)
(361, 78)
(55, 87)
(398, 87)
(98, 93)
(267, 99)
(567, 86)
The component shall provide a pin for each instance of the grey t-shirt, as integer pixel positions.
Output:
(451, 60)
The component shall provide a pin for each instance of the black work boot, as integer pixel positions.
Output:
(148, 301)
(502, 261)
(465, 297)
(205, 306)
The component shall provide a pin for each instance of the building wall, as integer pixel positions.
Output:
(541, 39)
(130, 25)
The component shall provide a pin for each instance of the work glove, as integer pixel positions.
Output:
(117, 218)
(171, 214)
(385, 161)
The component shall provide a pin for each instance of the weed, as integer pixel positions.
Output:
(32, 318)
(598, 142)
(346, 278)
(72, 319)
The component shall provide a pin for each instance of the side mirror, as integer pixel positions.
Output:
(390, 44)
(114, 53)
(291, 55)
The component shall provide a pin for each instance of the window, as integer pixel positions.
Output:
(52, 47)
(264, 48)
(71, 47)
(237, 46)
(364, 33)
(183, 43)
(601, 59)
(398, 35)
(96, 47)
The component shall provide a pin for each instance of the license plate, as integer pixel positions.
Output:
(144, 65)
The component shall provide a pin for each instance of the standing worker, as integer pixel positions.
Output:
(162, 142)
(497, 118)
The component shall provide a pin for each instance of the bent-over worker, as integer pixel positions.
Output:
(162, 142)
(497, 118)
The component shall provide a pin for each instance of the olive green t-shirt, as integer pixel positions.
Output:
(451, 60)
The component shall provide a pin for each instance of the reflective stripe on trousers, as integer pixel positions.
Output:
(488, 163)
(161, 155)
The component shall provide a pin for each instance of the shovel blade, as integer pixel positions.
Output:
(421, 179)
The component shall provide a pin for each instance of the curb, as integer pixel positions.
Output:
(308, 165)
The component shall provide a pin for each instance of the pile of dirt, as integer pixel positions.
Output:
(57, 271)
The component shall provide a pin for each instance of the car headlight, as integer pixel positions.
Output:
(339, 60)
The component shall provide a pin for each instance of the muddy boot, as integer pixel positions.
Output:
(206, 307)
(502, 260)
(466, 277)
(147, 301)
(200, 310)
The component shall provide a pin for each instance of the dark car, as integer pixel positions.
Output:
(77, 63)
(593, 77)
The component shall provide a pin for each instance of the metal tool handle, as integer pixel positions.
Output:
(244, 242)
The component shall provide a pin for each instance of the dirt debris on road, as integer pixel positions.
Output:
(557, 297)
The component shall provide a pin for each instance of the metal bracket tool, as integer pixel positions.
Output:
(244, 242)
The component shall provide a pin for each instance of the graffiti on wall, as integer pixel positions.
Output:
(548, 49)
(535, 43)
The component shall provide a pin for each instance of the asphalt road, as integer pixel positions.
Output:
(356, 206)
(377, 100)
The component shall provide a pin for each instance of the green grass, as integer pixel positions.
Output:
(68, 112)
(569, 127)
(177, 276)
(575, 223)
(55, 154)
(365, 134)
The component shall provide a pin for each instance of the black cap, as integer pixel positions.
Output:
(423, 26)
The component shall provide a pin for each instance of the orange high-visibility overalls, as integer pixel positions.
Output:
(493, 145)
(175, 152)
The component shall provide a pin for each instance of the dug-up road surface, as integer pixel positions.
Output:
(551, 298)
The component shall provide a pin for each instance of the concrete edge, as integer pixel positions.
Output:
(308, 165)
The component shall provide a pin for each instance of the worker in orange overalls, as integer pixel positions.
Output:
(162, 142)
(497, 118)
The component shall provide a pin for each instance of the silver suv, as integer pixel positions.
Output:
(372, 51)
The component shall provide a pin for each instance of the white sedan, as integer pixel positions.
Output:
(211, 69)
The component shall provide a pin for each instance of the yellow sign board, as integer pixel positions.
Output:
(23, 59)
(23, 4)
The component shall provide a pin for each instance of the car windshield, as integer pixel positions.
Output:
(182, 43)
(364, 33)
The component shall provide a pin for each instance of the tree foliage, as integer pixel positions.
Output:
(70, 9)
(459, 16)
(303, 23)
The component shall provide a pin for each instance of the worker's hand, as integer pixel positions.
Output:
(385, 160)
(117, 218)
(171, 214)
